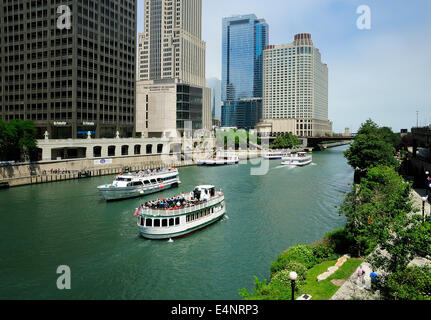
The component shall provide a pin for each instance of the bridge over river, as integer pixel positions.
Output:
(323, 143)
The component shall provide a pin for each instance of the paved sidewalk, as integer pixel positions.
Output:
(355, 289)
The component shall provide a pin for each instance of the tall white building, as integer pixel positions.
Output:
(171, 45)
(295, 88)
(171, 91)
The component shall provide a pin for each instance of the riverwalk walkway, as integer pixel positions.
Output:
(356, 289)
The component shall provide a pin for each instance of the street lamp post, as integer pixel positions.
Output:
(428, 183)
(424, 199)
(293, 275)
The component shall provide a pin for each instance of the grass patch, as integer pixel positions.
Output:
(346, 269)
(325, 289)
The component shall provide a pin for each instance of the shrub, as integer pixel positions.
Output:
(292, 265)
(324, 249)
(300, 253)
(340, 241)
(283, 277)
(278, 289)
(412, 283)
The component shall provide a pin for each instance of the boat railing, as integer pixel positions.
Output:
(137, 175)
(169, 212)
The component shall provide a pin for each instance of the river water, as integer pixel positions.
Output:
(66, 223)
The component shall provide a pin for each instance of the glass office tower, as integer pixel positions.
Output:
(244, 39)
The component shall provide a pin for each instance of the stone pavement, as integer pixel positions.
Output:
(355, 289)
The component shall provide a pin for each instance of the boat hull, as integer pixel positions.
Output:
(217, 163)
(112, 194)
(296, 164)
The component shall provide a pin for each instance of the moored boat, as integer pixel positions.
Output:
(219, 161)
(275, 154)
(131, 185)
(299, 159)
(181, 215)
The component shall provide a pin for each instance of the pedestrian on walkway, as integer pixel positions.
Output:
(361, 273)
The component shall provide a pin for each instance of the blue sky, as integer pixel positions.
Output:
(382, 73)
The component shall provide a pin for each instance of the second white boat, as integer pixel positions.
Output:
(131, 185)
(298, 159)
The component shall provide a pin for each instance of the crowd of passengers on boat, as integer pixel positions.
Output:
(173, 203)
(149, 172)
(182, 201)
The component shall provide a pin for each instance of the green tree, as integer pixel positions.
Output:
(412, 283)
(371, 207)
(389, 136)
(403, 239)
(287, 140)
(369, 148)
(17, 139)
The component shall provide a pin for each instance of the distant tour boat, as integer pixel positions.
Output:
(181, 215)
(219, 161)
(297, 159)
(131, 185)
(275, 154)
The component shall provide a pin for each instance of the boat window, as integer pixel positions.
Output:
(149, 222)
(157, 222)
(159, 180)
(177, 221)
(137, 183)
(141, 221)
(171, 222)
(164, 222)
(193, 216)
(147, 182)
(212, 210)
(153, 181)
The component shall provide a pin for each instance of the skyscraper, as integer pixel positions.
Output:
(73, 80)
(215, 85)
(171, 69)
(244, 39)
(295, 88)
(171, 45)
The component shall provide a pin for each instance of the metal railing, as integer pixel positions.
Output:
(193, 208)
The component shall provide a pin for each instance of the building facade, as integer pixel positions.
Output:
(171, 69)
(170, 107)
(243, 41)
(171, 45)
(295, 88)
(69, 80)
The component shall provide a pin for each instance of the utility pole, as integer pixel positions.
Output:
(417, 119)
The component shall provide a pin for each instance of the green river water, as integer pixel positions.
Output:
(67, 223)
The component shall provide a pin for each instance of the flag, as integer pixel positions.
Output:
(136, 212)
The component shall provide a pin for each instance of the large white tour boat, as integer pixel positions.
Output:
(297, 159)
(275, 154)
(218, 161)
(180, 215)
(131, 185)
